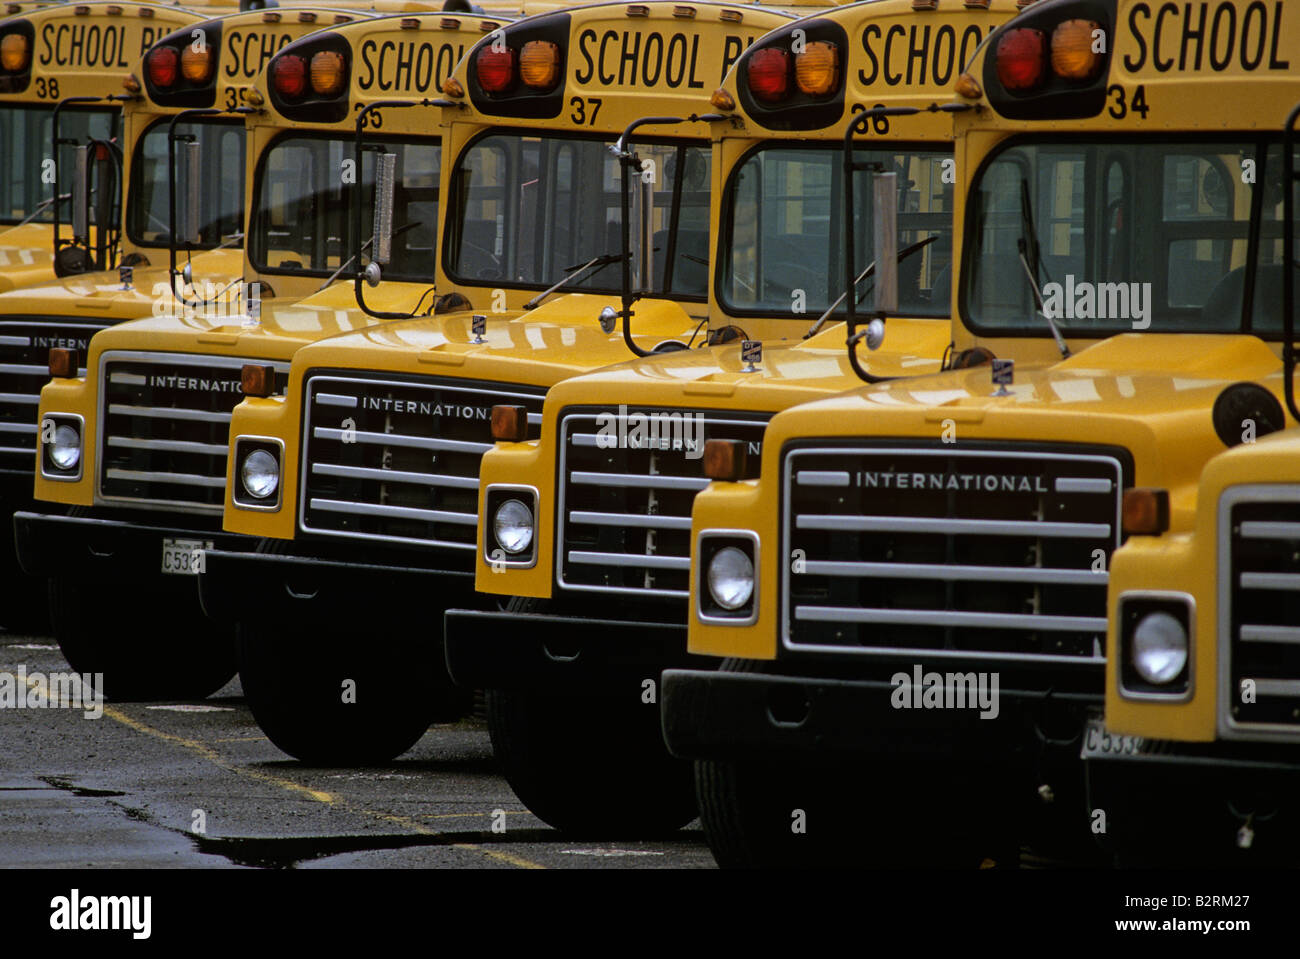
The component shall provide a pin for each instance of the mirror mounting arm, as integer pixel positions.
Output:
(360, 278)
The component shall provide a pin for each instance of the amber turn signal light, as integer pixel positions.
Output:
(63, 362)
(510, 424)
(14, 52)
(725, 460)
(1146, 511)
(539, 64)
(255, 380)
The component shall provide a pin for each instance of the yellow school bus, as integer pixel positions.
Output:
(594, 585)
(911, 599)
(171, 376)
(51, 54)
(374, 444)
(149, 421)
(82, 62)
(1197, 758)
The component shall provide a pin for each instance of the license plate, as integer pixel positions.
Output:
(183, 557)
(1100, 744)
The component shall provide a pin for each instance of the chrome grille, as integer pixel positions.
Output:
(1259, 611)
(625, 513)
(977, 552)
(398, 459)
(25, 346)
(166, 427)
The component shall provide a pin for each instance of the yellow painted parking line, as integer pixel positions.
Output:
(211, 755)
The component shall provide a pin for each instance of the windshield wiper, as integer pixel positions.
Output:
(573, 273)
(41, 206)
(871, 268)
(1027, 246)
(365, 246)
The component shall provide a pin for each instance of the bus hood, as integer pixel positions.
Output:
(90, 295)
(790, 371)
(560, 338)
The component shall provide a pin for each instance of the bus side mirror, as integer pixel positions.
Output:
(381, 250)
(189, 199)
(81, 197)
(884, 188)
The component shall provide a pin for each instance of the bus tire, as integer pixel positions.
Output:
(590, 766)
(325, 703)
(144, 651)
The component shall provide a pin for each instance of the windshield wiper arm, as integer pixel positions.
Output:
(1030, 259)
(41, 206)
(574, 272)
(364, 246)
(871, 268)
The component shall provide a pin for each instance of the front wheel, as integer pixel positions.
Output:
(329, 697)
(588, 765)
(160, 648)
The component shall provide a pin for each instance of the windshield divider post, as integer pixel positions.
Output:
(852, 166)
(172, 138)
(359, 275)
(627, 161)
(58, 142)
(1289, 182)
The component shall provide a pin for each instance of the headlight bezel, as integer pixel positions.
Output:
(495, 496)
(49, 468)
(710, 543)
(1135, 606)
(244, 447)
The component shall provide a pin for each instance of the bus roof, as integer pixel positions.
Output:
(1134, 66)
(611, 64)
(811, 76)
(238, 45)
(384, 58)
(83, 49)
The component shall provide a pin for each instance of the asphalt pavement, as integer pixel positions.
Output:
(196, 784)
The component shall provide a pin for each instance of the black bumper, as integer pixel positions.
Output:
(759, 716)
(1172, 800)
(238, 585)
(511, 650)
(99, 548)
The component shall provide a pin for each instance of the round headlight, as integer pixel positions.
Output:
(731, 578)
(1159, 648)
(65, 450)
(260, 473)
(513, 526)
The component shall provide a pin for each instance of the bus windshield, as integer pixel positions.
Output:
(221, 192)
(26, 139)
(783, 246)
(1163, 237)
(531, 209)
(303, 213)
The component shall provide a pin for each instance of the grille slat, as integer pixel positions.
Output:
(1259, 613)
(625, 511)
(24, 368)
(166, 427)
(978, 552)
(397, 459)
